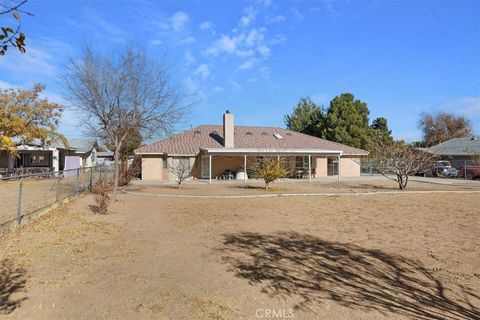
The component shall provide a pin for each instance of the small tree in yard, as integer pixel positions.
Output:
(397, 161)
(121, 94)
(180, 170)
(270, 169)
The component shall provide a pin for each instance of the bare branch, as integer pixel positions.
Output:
(121, 94)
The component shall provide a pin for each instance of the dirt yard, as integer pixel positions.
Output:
(395, 256)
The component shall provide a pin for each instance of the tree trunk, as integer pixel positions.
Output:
(115, 173)
(402, 181)
(405, 183)
(266, 185)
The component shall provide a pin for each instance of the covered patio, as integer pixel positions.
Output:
(216, 163)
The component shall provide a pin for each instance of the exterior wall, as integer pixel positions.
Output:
(152, 168)
(222, 163)
(349, 167)
(321, 167)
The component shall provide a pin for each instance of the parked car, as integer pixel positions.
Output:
(444, 169)
(440, 168)
(472, 172)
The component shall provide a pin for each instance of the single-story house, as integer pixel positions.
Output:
(458, 151)
(211, 151)
(34, 157)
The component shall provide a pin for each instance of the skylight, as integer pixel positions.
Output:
(278, 136)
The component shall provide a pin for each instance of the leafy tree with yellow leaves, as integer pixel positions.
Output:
(27, 116)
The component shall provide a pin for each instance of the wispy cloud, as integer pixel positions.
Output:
(189, 58)
(90, 19)
(277, 19)
(235, 85)
(246, 43)
(207, 26)
(203, 70)
(179, 20)
(217, 89)
(466, 106)
(38, 64)
(246, 65)
(187, 40)
(248, 18)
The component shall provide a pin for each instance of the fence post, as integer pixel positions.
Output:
(19, 204)
(100, 178)
(78, 181)
(57, 193)
(91, 178)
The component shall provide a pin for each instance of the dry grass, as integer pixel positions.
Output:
(385, 256)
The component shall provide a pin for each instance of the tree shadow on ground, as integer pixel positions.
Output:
(12, 281)
(313, 270)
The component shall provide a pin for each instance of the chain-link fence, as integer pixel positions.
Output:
(460, 169)
(24, 195)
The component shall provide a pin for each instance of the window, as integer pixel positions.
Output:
(302, 162)
(40, 160)
(165, 163)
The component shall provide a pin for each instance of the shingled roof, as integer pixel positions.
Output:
(211, 136)
(456, 147)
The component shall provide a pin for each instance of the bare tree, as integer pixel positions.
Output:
(397, 161)
(121, 93)
(180, 170)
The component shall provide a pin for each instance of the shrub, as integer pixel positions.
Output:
(129, 172)
(102, 196)
(270, 170)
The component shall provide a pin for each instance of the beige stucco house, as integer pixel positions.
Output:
(228, 151)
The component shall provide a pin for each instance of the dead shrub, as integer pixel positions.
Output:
(102, 197)
(129, 172)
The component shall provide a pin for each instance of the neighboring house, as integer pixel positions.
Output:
(458, 151)
(212, 150)
(105, 157)
(34, 157)
(85, 150)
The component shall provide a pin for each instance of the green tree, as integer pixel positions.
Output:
(443, 126)
(307, 117)
(270, 169)
(380, 129)
(132, 141)
(347, 122)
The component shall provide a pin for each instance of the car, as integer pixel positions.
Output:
(440, 168)
(469, 172)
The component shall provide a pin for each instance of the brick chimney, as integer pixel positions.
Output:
(228, 130)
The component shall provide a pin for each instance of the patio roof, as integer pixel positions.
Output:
(269, 151)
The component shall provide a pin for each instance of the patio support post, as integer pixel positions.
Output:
(210, 169)
(309, 168)
(244, 168)
(338, 167)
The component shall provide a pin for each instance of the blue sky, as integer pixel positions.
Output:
(257, 58)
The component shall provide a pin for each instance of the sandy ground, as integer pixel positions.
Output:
(310, 257)
(257, 187)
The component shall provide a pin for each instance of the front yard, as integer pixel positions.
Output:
(310, 257)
